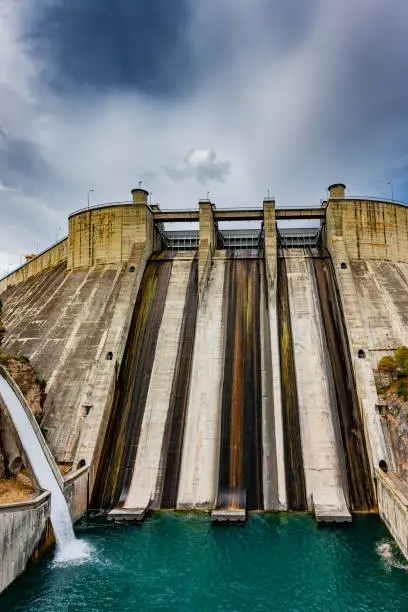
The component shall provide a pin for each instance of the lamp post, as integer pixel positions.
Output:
(390, 183)
(89, 195)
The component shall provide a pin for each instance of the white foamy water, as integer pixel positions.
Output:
(388, 553)
(68, 548)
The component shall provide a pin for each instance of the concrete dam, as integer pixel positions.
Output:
(220, 370)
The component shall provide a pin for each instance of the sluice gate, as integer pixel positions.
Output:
(120, 446)
(240, 462)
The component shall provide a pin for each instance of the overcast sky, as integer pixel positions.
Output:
(227, 96)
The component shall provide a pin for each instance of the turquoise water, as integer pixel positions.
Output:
(180, 562)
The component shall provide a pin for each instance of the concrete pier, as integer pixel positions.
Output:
(322, 468)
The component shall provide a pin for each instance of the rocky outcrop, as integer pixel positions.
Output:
(33, 389)
(395, 423)
(394, 418)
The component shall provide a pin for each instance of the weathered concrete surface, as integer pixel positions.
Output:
(66, 323)
(271, 375)
(207, 246)
(23, 526)
(229, 515)
(270, 474)
(370, 229)
(107, 234)
(199, 464)
(392, 495)
(145, 488)
(356, 308)
(47, 260)
(320, 454)
(76, 491)
(99, 388)
(382, 288)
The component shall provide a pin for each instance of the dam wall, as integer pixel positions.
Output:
(367, 241)
(141, 348)
(393, 508)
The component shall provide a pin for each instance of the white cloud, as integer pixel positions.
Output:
(201, 165)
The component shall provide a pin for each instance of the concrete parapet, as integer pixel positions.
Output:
(393, 508)
(23, 528)
(46, 260)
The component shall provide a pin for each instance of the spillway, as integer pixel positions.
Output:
(240, 462)
(322, 456)
(119, 450)
(41, 462)
(295, 476)
(197, 486)
(147, 480)
(356, 459)
(179, 394)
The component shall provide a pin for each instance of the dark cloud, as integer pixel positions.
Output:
(23, 166)
(113, 44)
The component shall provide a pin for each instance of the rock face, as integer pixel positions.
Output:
(395, 422)
(31, 387)
(394, 419)
(33, 390)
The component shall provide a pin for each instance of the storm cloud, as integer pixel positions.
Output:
(229, 96)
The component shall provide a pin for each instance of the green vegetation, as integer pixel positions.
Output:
(395, 367)
(402, 389)
(401, 359)
(5, 357)
(388, 365)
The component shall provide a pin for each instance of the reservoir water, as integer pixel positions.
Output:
(177, 561)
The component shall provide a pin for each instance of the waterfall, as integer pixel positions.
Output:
(42, 466)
